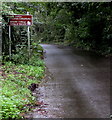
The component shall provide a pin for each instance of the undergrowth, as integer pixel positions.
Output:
(15, 96)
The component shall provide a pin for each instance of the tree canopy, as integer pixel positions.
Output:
(84, 25)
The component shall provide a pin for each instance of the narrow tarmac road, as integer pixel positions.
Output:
(80, 87)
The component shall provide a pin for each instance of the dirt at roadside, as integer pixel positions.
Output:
(40, 107)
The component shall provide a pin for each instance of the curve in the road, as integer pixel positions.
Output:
(81, 84)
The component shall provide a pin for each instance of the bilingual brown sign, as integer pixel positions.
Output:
(20, 20)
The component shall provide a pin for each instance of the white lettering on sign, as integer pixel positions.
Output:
(21, 20)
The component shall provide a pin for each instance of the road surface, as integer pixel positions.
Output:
(80, 87)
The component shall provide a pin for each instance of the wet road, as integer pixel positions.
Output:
(80, 87)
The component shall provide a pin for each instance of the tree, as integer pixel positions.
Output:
(84, 25)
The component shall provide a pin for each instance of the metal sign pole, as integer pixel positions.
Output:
(9, 42)
(29, 41)
(28, 38)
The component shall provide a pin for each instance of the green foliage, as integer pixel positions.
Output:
(22, 71)
(83, 25)
(15, 93)
(31, 70)
(18, 34)
(21, 56)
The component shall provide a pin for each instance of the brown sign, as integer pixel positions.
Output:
(20, 20)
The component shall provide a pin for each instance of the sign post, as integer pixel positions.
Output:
(20, 20)
(29, 41)
(28, 38)
(9, 42)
